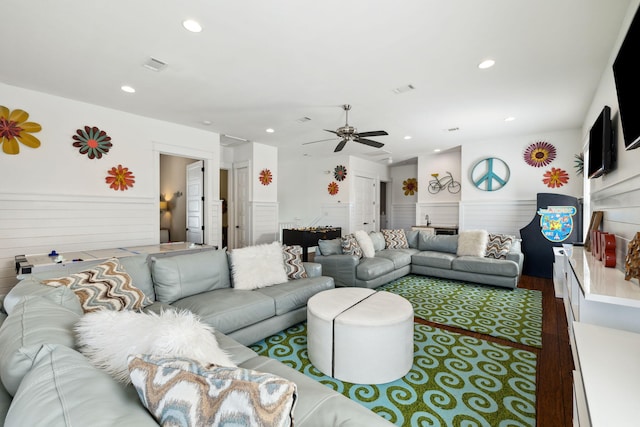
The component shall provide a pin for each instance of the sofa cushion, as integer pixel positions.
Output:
(229, 309)
(295, 293)
(179, 391)
(293, 265)
(472, 243)
(365, 243)
(5, 402)
(103, 286)
(499, 245)
(497, 267)
(33, 287)
(64, 389)
(433, 259)
(180, 276)
(107, 338)
(413, 237)
(257, 266)
(399, 257)
(378, 240)
(330, 246)
(372, 268)
(33, 322)
(395, 239)
(438, 242)
(137, 266)
(350, 246)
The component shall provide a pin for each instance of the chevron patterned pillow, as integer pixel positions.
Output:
(180, 391)
(104, 286)
(350, 246)
(293, 262)
(395, 239)
(499, 245)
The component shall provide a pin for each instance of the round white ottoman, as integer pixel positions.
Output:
(360, 335)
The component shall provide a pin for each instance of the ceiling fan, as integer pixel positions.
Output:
(350, 133)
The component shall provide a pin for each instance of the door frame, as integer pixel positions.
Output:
(376, 195)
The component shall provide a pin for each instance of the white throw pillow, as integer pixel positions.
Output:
(366, 244)
(472, 242)
(107, 338)
(258, 266)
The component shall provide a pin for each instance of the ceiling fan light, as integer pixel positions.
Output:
(191, 25)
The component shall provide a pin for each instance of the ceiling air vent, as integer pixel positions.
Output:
(303, 119)
(403, 89)
(155, 64)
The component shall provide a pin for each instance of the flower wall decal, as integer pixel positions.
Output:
(92, 141)
(539, 154)
(333, 188)
(555, 178)
(15, 128)
(410, 186)
(340, 173)
(265, 177)
(120, 178)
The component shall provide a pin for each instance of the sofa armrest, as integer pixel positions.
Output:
(313, 269)
(341, 267)
(515, 254)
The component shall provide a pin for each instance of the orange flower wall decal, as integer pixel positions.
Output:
(15, 128)
(333, 188)
(120, 178)
(410, 186)
(556, 177)
(265, 177)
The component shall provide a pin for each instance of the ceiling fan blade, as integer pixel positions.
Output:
(369, 142)
(320, 140)
(373, 133)
(332, 131)
(340, 146)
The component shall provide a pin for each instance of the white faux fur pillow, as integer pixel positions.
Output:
(108, 337)
(472, 242)
(258, 266)
(366, 244)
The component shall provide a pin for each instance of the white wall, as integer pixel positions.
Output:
(53, 197)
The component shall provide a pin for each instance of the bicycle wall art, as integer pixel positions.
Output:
(447, 182)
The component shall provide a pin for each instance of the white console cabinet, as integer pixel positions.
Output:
(603, 314)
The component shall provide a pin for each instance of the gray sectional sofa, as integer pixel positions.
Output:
(427, 254)
(58, 386)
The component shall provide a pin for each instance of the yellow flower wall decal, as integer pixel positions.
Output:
(15, 128)
(410, 186)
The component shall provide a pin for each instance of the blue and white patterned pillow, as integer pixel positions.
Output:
(293, 262)
(104, 286)
(182, 392)
(350, 246)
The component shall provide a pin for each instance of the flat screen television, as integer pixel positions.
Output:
(602, 154)
(627, 78)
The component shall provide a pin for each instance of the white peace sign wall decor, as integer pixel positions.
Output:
(490, 174)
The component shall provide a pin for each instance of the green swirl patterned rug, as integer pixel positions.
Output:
(511, 314)
(456, 380)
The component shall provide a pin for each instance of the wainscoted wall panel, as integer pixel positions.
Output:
(441, 213)
(336, 215)
(264, 222)
(497, 216)
(621, 205)
(39, 223)
(403, 216)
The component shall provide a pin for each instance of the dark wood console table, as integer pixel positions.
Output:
(308, 237)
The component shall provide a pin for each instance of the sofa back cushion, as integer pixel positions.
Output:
(63, 389)
(330, 246)
(412, 238)
(180, 276)
(138, 268)
(378, 240)
(438, 243)
(33, 322)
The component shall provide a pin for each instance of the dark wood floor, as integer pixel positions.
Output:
(554, 382)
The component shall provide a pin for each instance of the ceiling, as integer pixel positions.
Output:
(267, 64)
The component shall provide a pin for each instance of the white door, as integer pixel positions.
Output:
(195, 203)
(365, 204)
(241, 191)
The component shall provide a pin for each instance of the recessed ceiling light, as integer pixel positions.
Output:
(127, 89)
(206, 122)
(191, 25)
(269, 130)
(487, 63)
(509, 119)
(437, 150)
(407, 137)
